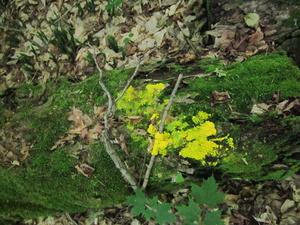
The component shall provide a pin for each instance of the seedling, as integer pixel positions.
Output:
(66, 42)
(200, 209)
(27, 64)
(112, 6)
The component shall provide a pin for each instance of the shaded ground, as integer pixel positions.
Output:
(173, 33)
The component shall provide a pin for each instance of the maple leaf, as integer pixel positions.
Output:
(190, 212)
(138, 201)
(162, 215)
(207, 193)
(213, 218)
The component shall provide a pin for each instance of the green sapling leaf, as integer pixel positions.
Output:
(190, 212)
(126, 40)
(207, 193)
(151, 208)
(138, 201)
(170, 127)
(179, 178)
(213, 218)
(163, 215)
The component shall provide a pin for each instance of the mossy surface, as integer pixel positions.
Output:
(261, 141)
(255, 80)
(267, 149)
(46, 182)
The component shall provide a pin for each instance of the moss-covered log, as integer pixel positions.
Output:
(38, 174)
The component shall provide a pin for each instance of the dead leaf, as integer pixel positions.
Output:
(185, 99)
(260, 108)
(24, 150)
(122, 143)
(287, 205)
(231, 199)
(131, 119)
(87, 120)
(220, 97)
(150, 145)
(76, 116)
(61, 141)
(85, 169)
(15, 163)
(99, 112)
(77, 130)
(140, 132)
(84, 133)
(281, 106)
(95, 133)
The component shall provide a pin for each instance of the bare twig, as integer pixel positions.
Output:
(129, 81)
(104, 138)
(106, 91)
(118, 162)
(160, 130)
(133, 75)
(70, 218)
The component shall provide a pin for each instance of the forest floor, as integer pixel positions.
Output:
(43, 41)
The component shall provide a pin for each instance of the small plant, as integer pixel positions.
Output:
(112, 6)
(180, 69)
(127, 40)
(200, 209)
(66, 42)
(90, 6)
(79, 9)
(113, 44)
(27, 63)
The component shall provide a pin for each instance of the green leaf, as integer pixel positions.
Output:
(190, 212)
(126, 40)
(163, 215)
(138, 201)
(170, 127)
(252, 20)
(151, 209)
(179, 178)
(207, 193)
(213, 218)
(112, 43)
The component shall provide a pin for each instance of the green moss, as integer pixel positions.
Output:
(256, 79)
(209, 65)
(249, 159)
(50, 183)
(267, 149)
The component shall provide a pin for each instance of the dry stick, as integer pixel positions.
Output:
(104, 138)
(129, 81)
(118, 162)
(160, 130)
(133, 75)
